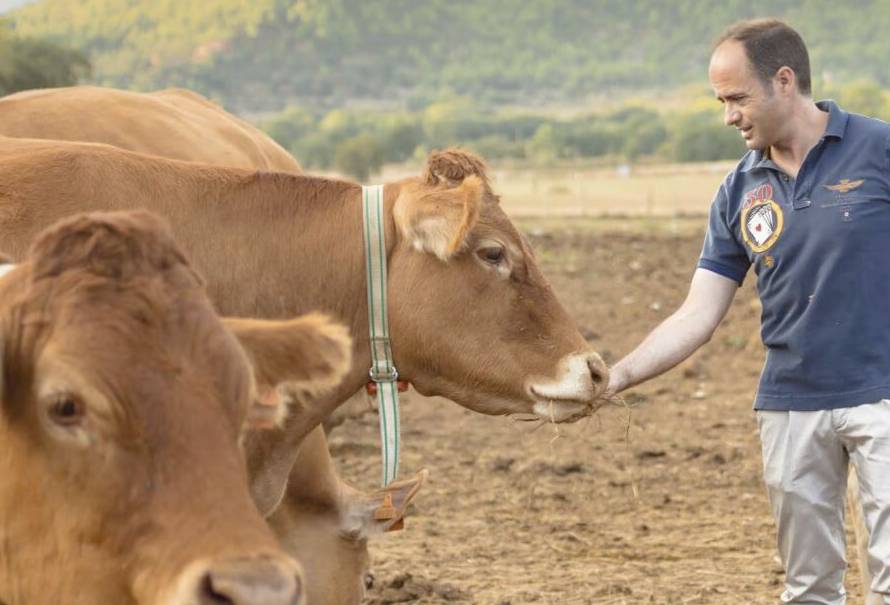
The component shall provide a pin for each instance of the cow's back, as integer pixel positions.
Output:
(174, 123)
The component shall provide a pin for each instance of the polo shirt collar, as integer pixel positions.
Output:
(837, 119)
(837, 126)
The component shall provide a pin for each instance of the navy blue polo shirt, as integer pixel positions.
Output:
(820, 247)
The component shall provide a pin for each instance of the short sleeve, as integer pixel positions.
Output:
(722, 252)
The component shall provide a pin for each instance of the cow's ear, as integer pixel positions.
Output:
(366, 515)
(437, 220)
(453, 165)
(311, 353)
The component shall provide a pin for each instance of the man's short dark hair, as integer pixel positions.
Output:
(771, 44)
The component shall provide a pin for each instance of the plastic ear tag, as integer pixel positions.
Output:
(397, 526)
(385, 511)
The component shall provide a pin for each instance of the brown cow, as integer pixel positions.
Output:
(471, 315)
(122, 397)
(174, 123)
(322, 514)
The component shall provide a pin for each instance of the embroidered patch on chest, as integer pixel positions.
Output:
(844, 186)
(762, 219)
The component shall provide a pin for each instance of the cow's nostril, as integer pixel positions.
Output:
(209, 595)
(599, 373)
(249, 583)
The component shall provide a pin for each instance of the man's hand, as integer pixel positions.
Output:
(617, 381)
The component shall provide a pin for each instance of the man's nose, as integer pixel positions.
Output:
(731, 115)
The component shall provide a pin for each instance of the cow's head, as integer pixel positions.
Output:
(122, 400)
(472, 317)
(326, 524)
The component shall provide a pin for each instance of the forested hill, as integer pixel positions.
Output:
(263, 54)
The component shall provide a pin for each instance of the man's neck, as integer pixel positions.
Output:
(804, 129)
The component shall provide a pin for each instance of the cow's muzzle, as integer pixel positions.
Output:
(575, 393)
(260, 580)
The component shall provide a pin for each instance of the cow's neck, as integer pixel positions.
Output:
(275, 220)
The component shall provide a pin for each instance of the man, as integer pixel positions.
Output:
(808, 207)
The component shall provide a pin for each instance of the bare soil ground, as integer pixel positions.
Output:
(661, 190)
(662, 503)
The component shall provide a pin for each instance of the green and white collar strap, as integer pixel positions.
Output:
(383, 371)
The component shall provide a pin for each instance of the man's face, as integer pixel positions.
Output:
(754, 109)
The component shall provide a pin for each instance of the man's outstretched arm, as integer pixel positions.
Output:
(680, 335)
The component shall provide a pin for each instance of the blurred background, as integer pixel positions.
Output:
(606, 145)
(605, 96)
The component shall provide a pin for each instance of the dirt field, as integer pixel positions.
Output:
(664, 505)
(661, 190)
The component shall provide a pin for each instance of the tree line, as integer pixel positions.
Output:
(265, 54)
(27, 63)
(360, 142)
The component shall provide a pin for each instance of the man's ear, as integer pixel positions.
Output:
(437, 220)
(786, 79)
(311, 353)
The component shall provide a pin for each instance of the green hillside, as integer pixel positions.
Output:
(257, 55)
(33, 63)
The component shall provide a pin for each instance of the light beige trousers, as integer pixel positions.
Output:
(806, 456)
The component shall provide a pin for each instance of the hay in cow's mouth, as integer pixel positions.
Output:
(584, 412)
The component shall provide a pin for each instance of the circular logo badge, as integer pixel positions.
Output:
(762, 224)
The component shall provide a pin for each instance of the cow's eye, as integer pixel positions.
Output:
(66, 410)
(493, 255)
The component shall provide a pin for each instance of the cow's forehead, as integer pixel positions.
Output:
(172, 328)
(144, 310)
(141, 339)
(494, 222)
